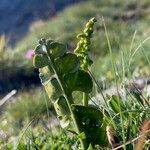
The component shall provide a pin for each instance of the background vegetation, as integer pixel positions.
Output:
(129, 33)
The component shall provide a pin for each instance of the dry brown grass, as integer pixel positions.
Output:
(145, 130)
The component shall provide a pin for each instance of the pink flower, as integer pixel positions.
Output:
(30, 54)
(2, 134)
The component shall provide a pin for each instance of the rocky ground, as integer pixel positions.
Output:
(139, 86)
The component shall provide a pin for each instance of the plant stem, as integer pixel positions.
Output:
(85, 99)
(68, 97)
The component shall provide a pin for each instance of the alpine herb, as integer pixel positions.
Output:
(61, 73)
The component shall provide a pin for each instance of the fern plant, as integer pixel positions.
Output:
(61, 73)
